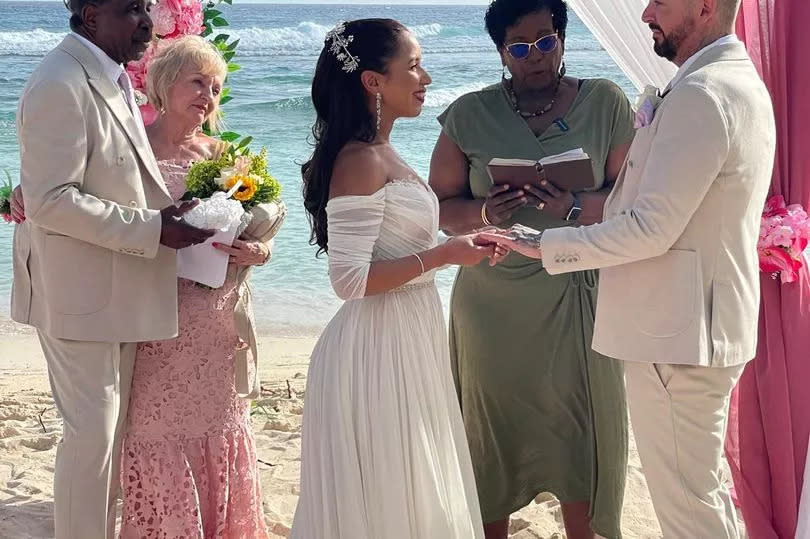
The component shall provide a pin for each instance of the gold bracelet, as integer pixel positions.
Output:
(422, 264)
(484, 214)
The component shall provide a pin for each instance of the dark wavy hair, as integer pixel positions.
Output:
(341, 106)
(503, 14)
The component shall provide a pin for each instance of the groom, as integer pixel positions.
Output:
(94, 264)
(679, 289)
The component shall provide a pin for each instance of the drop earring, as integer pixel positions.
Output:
(379, 110)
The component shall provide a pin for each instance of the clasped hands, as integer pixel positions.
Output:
(518, 238)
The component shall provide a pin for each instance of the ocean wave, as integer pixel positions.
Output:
(31, 43)
(438, 98)
(304, 39)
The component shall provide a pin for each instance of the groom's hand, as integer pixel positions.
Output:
(176, 233)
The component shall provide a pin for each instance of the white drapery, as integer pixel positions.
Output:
(618, 27)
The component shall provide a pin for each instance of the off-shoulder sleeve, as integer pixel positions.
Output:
(354, 224)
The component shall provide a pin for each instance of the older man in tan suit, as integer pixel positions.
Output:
(679, 289)
(94, 264)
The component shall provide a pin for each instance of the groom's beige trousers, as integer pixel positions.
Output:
(90, 383)
(679, 420)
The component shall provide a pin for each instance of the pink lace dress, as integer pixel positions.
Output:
(189, 465)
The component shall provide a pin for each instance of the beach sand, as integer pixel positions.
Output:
(30, 429)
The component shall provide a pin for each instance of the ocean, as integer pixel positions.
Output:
(278, 50)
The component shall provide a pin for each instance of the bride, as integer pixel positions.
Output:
(384, 452)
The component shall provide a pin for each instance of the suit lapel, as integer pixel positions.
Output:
(114, 99)
(728, 52)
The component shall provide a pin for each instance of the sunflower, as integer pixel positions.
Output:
(250, 183)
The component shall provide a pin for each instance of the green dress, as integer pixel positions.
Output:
(543, 412)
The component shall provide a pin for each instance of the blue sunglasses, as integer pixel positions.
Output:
(521, 51)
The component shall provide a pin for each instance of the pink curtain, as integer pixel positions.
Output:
(769, 423)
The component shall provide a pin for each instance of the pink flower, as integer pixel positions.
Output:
(163, 19)
(137, 70)
(776, 260)
(775, 206)
(781, 236)
(784, 234)
(149, 114)
(6, 217)
(186, 18)
(644, 115)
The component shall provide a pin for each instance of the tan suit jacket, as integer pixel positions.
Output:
(680, 277)
(88, 264)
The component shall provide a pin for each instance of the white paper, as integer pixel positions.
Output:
(570, 155)
(203, 263)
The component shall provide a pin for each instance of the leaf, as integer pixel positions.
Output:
(228, 56)
(225, 99)
(221, 38)
(244, 142)
(232, 45)
(212, 13)
(207, 30)
(219, 21)
(233, 67)
(229, 2)
(229, 136)
(225, 92)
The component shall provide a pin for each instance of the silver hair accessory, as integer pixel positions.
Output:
(340, 47)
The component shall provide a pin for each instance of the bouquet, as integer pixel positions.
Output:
(5, 198)
(237, 173)
(238, 196)
(783, 237)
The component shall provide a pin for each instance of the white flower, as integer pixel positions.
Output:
(224, 175)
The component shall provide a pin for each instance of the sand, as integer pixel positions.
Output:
(30, 429)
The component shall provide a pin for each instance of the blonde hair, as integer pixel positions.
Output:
(183, 53)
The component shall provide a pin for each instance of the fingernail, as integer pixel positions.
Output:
(215, 244)
(544, 182)
(523, 199)
(520, 192)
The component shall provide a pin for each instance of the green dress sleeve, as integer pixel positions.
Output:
(449, 122)
(621, 129)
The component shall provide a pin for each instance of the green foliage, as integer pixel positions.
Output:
(5, 195)
(201, 181)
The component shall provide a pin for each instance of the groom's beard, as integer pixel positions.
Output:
(668, 46)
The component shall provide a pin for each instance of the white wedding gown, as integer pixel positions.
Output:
(384, 453)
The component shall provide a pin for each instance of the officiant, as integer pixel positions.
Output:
(543, 412)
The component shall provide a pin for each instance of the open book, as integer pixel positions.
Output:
(569, 170)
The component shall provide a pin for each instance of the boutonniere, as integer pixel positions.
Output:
(646, 104)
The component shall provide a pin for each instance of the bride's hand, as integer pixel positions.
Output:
(470, 250)
(518, 238)
(245, 253)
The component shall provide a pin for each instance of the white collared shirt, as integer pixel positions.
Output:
(731, 38)
(111, 69)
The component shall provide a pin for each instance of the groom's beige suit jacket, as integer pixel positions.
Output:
(88, 264)
(680, 277)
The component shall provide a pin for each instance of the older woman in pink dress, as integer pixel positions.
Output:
(189, 459)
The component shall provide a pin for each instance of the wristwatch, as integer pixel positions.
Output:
(575, 211)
